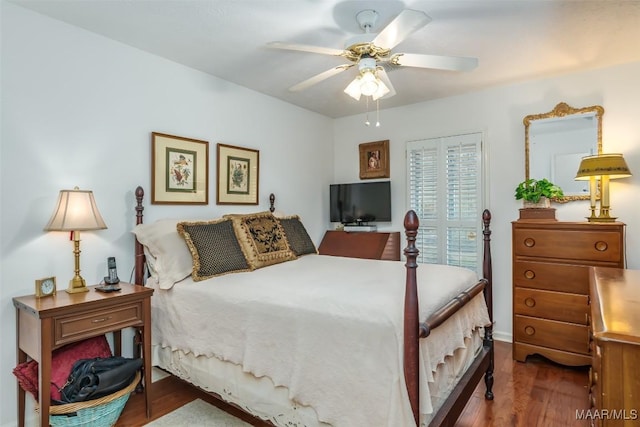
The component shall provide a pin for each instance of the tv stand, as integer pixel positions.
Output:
(373, 245)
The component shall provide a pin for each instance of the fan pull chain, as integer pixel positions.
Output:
(367, 123)
(377, 113)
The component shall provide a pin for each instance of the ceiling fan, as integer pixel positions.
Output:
(371, 52)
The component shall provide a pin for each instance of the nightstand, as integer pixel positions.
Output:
(45, 324)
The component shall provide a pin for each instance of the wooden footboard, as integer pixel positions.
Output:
(414, 329)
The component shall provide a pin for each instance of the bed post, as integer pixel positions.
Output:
(272, 199)
(487, 272)
(139, 252)
(411, 323)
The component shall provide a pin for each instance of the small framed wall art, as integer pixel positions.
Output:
(238, 175)
(179, 170)
(374, 159)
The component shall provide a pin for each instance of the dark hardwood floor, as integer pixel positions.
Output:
(536, 393)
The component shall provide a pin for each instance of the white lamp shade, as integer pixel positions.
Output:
(353, 90)
(76, 210)
(368, 83)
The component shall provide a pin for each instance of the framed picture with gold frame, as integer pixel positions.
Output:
(374, 159)
(179, 170)
(238, 175)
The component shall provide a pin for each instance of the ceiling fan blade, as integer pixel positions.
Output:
(382, 75)
(306, 48)
(319, 77)
(452, 63)
(405, 24)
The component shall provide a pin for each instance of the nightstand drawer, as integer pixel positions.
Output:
(84, 325)
(565, 307)
(552, 277)
(585, 246)
(552, 334)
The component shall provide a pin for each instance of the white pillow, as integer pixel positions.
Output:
(170, 260)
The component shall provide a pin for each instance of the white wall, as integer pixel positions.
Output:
(78, 110)
(498, 112)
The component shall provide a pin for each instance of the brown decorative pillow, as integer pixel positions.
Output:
(299, 240)
(262, 239)
(214, 248)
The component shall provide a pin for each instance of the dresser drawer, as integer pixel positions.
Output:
(565, 307)
(585, 246)
(552, 334)
(87, 324)
(552, 277)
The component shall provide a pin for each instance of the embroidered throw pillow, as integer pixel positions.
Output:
(262, 239)
(299, 240)
(214, 248)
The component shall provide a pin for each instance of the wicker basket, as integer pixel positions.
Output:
(104, 411)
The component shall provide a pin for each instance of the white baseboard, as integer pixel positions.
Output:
(502, 336)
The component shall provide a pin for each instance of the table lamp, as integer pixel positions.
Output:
(602, 167)
(76, 211)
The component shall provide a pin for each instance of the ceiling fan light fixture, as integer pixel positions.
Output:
(353, 90)
(369, 83)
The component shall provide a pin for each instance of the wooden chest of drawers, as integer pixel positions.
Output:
(614, 378)
(551, 285)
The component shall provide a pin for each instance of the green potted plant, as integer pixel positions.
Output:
(538, 193)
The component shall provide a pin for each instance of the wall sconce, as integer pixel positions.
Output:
(603, 168)
(76, 211)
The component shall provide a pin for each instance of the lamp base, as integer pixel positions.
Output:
(602, 219)
(77, 285)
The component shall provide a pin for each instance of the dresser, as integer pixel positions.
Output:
(551, 261)
(370, 245)
(614, 388)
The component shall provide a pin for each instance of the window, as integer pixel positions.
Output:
(444, 188)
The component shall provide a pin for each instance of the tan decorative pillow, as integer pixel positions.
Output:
(262, 239)
(214, 248)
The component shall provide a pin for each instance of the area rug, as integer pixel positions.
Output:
(198, 414)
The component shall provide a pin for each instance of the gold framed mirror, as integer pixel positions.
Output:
(555, 142)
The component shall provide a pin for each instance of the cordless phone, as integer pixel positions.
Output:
(111, 280)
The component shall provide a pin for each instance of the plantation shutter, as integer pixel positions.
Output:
(444, 188)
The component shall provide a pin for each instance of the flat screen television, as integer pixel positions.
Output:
(360, 203)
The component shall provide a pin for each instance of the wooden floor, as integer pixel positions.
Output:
(535, 393)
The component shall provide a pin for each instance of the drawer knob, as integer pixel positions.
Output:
(529, 274)
(102, 319)
(529, 242)
(529, 330)
(601, 246)
(530, 302)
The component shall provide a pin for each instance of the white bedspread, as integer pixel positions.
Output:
(327, 328)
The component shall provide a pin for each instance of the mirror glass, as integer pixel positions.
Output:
(556, 141)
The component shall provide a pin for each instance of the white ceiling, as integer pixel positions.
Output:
(514, 40)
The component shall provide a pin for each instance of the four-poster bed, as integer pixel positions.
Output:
(417, 347)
